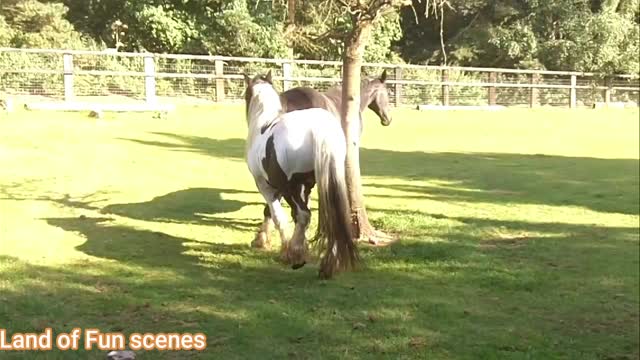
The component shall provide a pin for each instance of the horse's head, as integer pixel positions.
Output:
(260, 92)
(379, 98)
(251, 82)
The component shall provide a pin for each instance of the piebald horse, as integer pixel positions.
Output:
(287, 153)
(373, 95)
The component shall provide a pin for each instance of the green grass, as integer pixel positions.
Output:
(519, 235)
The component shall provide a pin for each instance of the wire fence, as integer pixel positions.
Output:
(117, 77)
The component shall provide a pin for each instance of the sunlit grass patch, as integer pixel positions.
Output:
(517, 237)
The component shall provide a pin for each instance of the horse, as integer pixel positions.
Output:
(373, 94)
(287, 153)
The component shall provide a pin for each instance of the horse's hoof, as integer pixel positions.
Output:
(298, 266)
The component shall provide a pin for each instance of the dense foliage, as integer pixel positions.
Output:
(584, 35)
(587, 35)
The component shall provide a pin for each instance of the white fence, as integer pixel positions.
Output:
(117, 77)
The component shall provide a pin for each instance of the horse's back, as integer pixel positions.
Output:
(301, 98)
(294, 140)
(315, 121)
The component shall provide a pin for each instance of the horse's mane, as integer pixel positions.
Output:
(265, 108)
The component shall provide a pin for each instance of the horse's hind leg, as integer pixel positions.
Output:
(278, 214)
(263, 237)
(297, 253)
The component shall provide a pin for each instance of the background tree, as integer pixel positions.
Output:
(31, 23)
(363, 16)
(583, 35)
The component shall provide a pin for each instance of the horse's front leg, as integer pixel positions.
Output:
(263, 237)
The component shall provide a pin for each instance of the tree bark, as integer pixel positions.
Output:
(291, 12)
(351, 67)
(291, 24)
(610, 5)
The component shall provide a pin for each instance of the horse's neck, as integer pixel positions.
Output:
(366, 97)
(260, 116)
(335, 94)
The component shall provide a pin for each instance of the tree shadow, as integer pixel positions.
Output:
(189, 206)
(607, 185)
(21, 192)
(409, 292)
(116, 298)
(107, 240)
(193, 205)
(232, 149)
(432, 285)
(575, 236)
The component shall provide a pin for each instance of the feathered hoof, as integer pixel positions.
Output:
(324, 275)
(298, 266)
(261, 241)
(297, 255)
(285, 256)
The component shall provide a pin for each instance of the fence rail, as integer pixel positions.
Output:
(74, 75)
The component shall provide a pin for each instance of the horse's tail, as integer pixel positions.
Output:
(335, 236)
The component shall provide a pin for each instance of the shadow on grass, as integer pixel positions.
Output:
(247, 304)
(193, 205)
(20, 192)
(462, 296)
(482, 289)
(189, 206)
(607, 185)
(226, 148)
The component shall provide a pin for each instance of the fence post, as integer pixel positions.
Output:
(491, 92)
(533, 91)
(219, 70)
(398, 87)
(445, 87)
(573, 93)
(149, 79)
(67, 64)
(607, 92)
(286, 75)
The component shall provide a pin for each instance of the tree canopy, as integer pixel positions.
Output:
(584, 35)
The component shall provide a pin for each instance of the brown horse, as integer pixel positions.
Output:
(373, 94)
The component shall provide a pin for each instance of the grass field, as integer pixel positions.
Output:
(519, 238)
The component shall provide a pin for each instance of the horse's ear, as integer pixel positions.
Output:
(247, 80)
(268, 77)
(383, 77)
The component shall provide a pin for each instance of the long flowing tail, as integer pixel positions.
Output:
(334, 238)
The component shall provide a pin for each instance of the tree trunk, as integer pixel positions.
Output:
(610, 5)
(351, 66)
(627, 7)
(291, 12)
(291, 24)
